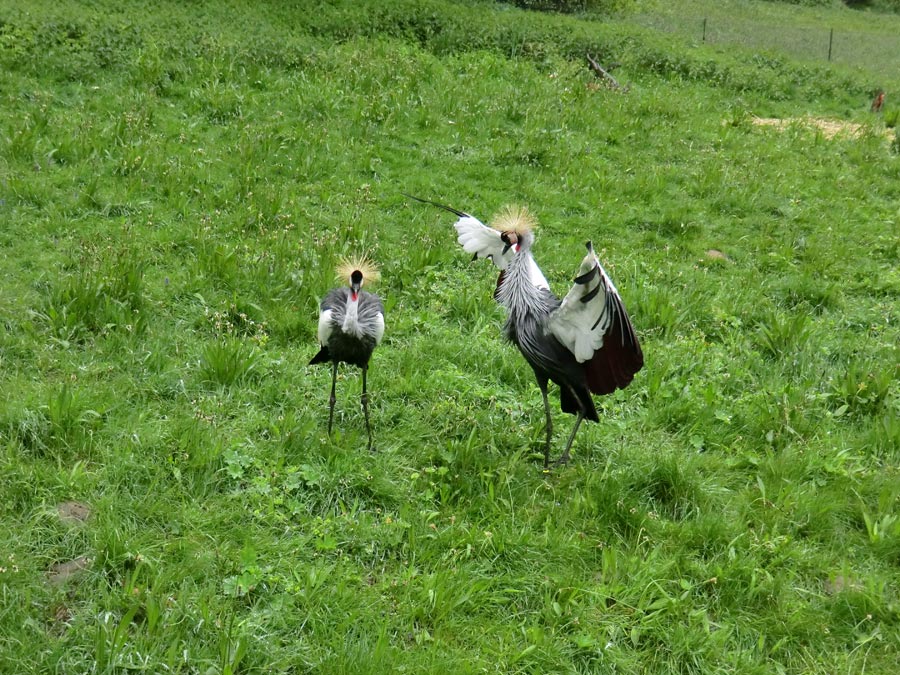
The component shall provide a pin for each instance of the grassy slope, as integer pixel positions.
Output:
(175, 189)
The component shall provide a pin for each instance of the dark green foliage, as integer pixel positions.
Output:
(568, 6)
(892, 6)
(809, 3)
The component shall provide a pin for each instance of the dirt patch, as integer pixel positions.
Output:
(829, 128)
(62, 572)
(73, 512)
(716, 254)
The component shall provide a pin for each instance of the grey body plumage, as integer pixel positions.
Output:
(354, 347)
(529, 309)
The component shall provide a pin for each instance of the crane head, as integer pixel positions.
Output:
(356, 282)
(357, 270)
(516, 226)
(509, 240)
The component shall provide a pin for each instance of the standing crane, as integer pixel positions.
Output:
(584, 343)
(351, 325)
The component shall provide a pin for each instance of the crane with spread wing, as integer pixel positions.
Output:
(585, 343)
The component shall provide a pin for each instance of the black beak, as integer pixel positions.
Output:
(589, 245)
(506, 248)
(355, 287)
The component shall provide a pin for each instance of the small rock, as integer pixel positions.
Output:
(61, 614)
(61, 618)
(716, 254)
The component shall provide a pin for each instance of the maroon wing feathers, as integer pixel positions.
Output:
(613, 365)
(499, 281)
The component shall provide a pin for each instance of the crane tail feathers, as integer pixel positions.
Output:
(324, 356)
(569, 403)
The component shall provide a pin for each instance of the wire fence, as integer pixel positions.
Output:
(876, 53)
(808, 43)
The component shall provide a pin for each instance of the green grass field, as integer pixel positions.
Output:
(176, 186)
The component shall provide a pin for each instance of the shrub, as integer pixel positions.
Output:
(887, 6)
(570, 6)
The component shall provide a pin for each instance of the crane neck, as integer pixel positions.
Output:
(523, 282)
(351, 324)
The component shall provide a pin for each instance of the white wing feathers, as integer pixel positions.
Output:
(325, 326)
(379, 328)
(586, 313)
(537, 277)
(485, 242)
(482, 241)
(476, 237)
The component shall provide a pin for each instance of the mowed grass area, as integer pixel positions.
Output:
(176, 185)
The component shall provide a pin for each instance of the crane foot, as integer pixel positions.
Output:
(563, 459)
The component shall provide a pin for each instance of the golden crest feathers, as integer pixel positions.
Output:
(513, 218)
(349, 264)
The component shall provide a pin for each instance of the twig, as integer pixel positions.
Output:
(597, 68)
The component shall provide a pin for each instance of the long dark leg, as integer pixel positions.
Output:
(542, 383)
(332, 399)
(365, 405)
(564, 458)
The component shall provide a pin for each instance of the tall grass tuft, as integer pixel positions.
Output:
(862, 387)
(228, 362)
(64, 422)
(25, 135)
(96, 300)
(780, 335)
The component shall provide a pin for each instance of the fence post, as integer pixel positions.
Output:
(830, 41)
(704, 29)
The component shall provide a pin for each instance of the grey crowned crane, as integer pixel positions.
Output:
(351, 325)
(584, 343)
